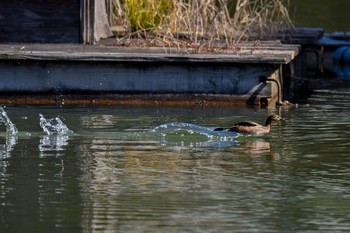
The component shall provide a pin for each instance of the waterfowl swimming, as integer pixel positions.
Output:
(250, 127)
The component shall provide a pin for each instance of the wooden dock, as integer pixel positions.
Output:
(93, 74)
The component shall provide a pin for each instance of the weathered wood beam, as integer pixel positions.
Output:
(124, 75)
(278, 54)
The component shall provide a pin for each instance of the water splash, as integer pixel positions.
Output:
(57, 136)
(11, 135)
(54, 126)
(187, 134)
(10, 127)
(174, 127)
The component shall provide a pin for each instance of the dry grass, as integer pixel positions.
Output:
(263, 19)
(197, 25)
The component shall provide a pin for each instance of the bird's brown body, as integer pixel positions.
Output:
(250, 127)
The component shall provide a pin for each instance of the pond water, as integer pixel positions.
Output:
(330, 15)
(111, 169)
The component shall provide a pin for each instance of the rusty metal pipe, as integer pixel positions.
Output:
(279, 90)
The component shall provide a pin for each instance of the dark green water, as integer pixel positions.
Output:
(329, 15)
(112, 175)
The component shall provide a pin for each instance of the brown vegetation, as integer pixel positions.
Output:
(197, 25)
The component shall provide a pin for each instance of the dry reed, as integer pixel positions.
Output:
(210, 25)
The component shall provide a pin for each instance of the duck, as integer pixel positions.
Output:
(250, 127)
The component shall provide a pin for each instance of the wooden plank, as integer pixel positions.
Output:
(87, 21)
(248, 54)
(101, 24)
(77, 69)
(43, 21)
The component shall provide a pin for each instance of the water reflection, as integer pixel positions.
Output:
(5, 149)
(255, 147)
(98, 121)
(116, 175)
(56, 144)
(148, 187)
(148, 184)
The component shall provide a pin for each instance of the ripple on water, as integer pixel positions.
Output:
(112, 177)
